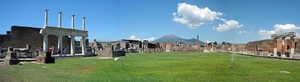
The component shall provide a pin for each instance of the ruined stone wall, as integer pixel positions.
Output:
(240, 47)
(22, 35)
(263, 45)
(297, 48)
(4, 39)
(107, 51)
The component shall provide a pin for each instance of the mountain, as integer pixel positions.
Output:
(174, 38)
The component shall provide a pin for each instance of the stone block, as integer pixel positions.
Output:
(119, 53)
(11, 59)
(45, 58)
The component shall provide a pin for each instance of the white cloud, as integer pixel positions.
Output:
(264, 34)
(193, 16)
(229, 25)
(285, 28)
(278, 28)
(240, 32)
(134, 38)
(150, 39)
(207, 41)
(245, 32)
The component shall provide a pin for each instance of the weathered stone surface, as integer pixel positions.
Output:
(11, 58)
(119, 53)
(22, 35)
(106, 52)
(262, 45)
(45, 57)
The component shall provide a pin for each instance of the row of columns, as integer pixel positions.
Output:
(60, 47)
(280, 45)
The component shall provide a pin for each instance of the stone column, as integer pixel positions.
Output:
(275, 48)
(197, 41)
(45, 42)
(83, 23)
(72, 46)
(83, 45)
(59, 19)
(46, 17)
(293, 47)
(283, 47)
(72, 21)
(60, 47)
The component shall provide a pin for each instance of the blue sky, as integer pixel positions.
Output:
(238, 21)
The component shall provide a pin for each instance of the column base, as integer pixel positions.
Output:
(283, 56)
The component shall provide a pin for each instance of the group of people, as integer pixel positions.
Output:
(51, 49)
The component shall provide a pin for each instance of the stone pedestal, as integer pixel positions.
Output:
(292, 53)
(275, 52)
(283, 56)
(11, 58)
(45, 57)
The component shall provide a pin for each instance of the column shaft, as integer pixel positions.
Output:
(60, 47)
(59, 19)
(72, 46)
(275, 48)
(83, 45)
(73, 21)
(46, 17)
(45, 42)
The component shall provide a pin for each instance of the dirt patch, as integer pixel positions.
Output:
(286, 72)
(87, 69)
(221, 64)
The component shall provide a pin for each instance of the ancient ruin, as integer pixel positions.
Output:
(11, 57)
(31, 42)
(59, 31)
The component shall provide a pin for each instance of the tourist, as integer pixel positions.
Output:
(41, 48)
(36, 51)
(52, 52)
(1, 51)
(65, 50)
(59, 51)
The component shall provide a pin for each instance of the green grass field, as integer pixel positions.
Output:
(157, 67)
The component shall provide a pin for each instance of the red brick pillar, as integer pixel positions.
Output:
(279, 45)
(293, 46)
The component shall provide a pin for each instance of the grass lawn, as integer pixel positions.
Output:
(157, 67)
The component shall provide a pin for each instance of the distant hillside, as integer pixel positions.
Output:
(174, 38)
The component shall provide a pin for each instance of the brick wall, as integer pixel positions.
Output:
(263, 45)
(4, 39)
(22, 35)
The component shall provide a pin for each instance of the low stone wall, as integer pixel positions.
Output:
(119, 53)
(266, 54)
(153, 50)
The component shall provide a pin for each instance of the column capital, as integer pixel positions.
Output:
(59, 12)
(72, 15)
(83, 17)
(46, 10)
